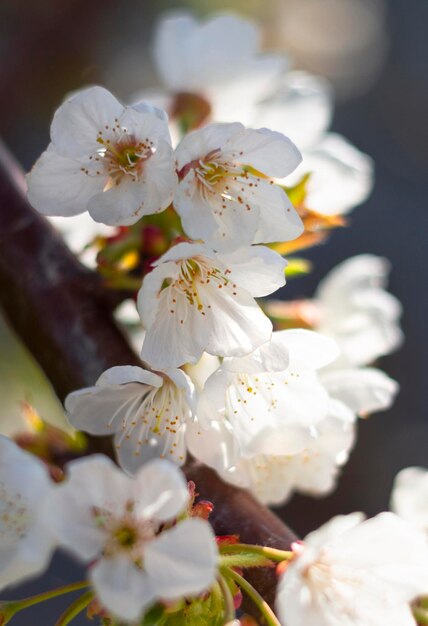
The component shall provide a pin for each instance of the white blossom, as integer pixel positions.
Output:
(195, 300)
(273, 478)
(146, 411)
(271, 398)
(114, 161)
(357, 312)
(225, 196)
(409, 497)
(218, 59)
(275, 447)
(352, 572)
(26, 543)
(122, 527)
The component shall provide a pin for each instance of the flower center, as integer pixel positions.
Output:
(161, 413)
(120, 154)
(124, 533)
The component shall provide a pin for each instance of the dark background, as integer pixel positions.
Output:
(48, 48)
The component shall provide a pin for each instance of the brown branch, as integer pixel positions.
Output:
(59, 309)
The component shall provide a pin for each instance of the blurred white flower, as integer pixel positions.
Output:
(217, 59)
(26, 542)
(355, 573)
(115, 522)
(357, 312)
(409, 497)
(224, 196)
(114, 161)
(146, 411)
(196, 301)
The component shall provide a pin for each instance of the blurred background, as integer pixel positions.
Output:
(375, 53)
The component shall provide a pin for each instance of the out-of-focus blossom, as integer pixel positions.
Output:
(409, 497)
(224, 196)
(218, 60)
(355, 573)
(196, 301)
(146, 411)
(357, 312)
(26, 540)
(116, 523)
(114, 161)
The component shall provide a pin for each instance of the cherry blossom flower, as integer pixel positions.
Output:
(224, 196)
(272, 447)
(146, 411)
(114, 161)
(357, 312)
(217, 59)
(195, 300)
(273, 478)
(409, 497)
(355, 573)
(271, 398)
(26, 543)
(124, 527)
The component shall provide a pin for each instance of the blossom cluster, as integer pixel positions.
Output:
(148, 550)
(277, 412)
(267, 393)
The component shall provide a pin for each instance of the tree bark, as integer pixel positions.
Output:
(63, 314)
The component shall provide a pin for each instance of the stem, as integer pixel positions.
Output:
(74, 609)
(269, 553)
(264, 608)
(229, 605)
(48, 595)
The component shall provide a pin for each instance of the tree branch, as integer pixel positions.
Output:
(61, 312)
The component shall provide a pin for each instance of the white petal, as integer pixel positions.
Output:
(301, 108)
(177, 335)
(123, 374)
(107, 407)
(213, 444)
(257, 269)
(78, 120)
(279, 221)
(409, 497)
(182, 562)
(160, 491)
(136, 447)
(122, 589)
(335, 164)
(58, 186)
(365, 390)
(237, 325)
(173, 31)
(312, 349)
(266, 151)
